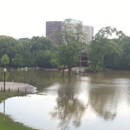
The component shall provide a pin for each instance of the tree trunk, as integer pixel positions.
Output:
(94, 68)
(63, 71)
(69, 70)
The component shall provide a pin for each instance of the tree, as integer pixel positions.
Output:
(43, 58)
(4, 60)
(122, 61)
(72, 43)
(102, 46)
(40, 43)
(18, 60)
(54, 59)
(69, 54)
(9, 46)
(26, 51)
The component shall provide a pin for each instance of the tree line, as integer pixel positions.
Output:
(109, 48)
(37, 51)
(41, 52)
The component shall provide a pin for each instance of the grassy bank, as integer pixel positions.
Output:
(7, 123)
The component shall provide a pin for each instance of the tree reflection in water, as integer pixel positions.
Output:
(69, 108)
(104, 102)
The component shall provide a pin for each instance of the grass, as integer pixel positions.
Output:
(6, 123)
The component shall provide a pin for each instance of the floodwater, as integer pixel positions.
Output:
(99, 101)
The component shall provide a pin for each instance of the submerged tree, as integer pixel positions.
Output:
(72, 43)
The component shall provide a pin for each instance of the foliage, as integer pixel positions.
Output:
(54, 62)
(109, 48)
(71, 32)
(26, 51)
(4, 60)
(9, 46)
(122, 61)
(40, 43)
(102, 46)
(71, 44)
(18, 60)
(89, 70)
(43, 58)
(69, 54)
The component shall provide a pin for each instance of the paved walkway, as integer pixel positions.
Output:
(75, 69)
(13, 86)
(82, 69)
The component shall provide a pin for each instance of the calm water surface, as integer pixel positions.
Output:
(98, 101)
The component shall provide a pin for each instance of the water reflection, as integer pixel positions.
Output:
(104, 102)
(37, 78)
(2, 76)
(69, 108)
(4, 106)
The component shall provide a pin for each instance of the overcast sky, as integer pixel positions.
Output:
(27, 18)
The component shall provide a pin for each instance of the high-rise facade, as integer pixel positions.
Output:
(88, 31)
(56, 26)
(51, 28)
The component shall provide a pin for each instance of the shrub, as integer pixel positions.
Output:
(90, 70)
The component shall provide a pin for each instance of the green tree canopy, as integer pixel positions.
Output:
(18, 60)
(71, 44)
(4, 60)
(102, 46)
(9, 46)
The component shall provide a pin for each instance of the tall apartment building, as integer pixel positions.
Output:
(52, 26)
(88, 31)
(74, 21)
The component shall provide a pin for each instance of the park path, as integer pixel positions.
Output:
(14, 86)
(77, 69)
(81, 69)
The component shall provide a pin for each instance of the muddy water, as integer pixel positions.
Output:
(98, 101)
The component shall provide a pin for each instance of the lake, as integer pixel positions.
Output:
(93, 101)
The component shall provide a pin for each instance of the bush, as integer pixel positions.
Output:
(90, 70)
(62, 67)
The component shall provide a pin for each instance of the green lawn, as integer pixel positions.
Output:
(7, 123)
